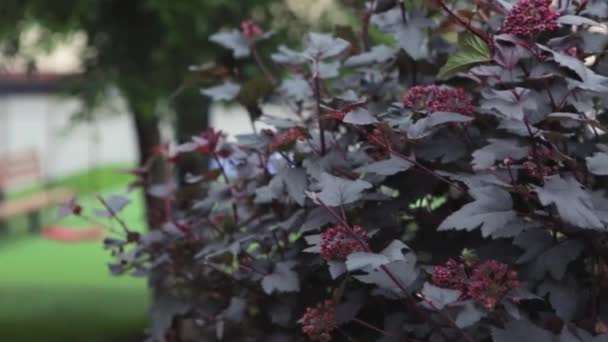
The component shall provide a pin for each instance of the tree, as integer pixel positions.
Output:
(141, 47)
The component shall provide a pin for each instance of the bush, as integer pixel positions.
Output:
(419, 190)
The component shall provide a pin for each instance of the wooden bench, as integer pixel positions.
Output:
(25, 169)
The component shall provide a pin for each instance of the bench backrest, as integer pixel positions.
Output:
(20, 169)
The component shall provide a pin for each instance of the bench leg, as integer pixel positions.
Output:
(3, 223)
(34, 221)
(3, 227)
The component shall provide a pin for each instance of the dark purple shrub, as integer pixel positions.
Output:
(393, 161)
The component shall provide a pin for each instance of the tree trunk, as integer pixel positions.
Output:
(148, 137)
(192, 111)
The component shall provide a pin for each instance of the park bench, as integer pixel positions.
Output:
(24, 169)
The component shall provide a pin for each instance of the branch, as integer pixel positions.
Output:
(465, 24)
(317, 90)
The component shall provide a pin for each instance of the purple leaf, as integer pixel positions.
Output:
(225, 92)
(233, 40)
(498, 149)
(339, 191)
(283, 279)
(573, 204)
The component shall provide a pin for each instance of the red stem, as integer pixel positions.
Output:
(464, 24)
(114, 214)
(372, 327)
(262, 66)
(317, 90)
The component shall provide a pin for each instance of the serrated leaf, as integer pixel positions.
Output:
(378, 54)
(427, 125)
(491, 211)
(563, 296)
(336, 268)
(296, 182)
(323, 45)
(329, 70)
(468, 315)
(225, 92)
(359, 116)
(440, 297)
(576, 20)
(288, 56)
(233, 40)
(394, 251)
(387, 167)
(114, 203)
(473, 50)
(283, 279)
(498, 149)
(360, 260)
(339, 191)
(573, 204)
(404, 270)
(297, 88)
(413, 41)
(543, 256)
(509, 106)
(598, 164)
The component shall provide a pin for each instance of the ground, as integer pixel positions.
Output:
(53, 291)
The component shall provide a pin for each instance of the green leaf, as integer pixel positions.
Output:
(473, 50)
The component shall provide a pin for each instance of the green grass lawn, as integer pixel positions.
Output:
(54, 291)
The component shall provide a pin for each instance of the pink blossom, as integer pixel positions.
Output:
(251, 30)
(285, 141)
(339, 241)
(486, 282)
(318, 322)
(530, 17)
(439, 99)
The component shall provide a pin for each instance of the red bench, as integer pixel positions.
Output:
(25, 169)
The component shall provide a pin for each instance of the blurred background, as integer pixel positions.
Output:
(87, 89)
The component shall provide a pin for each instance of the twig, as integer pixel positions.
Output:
(372, 327)
(262, 66)
(317, 90)
(114, 214)
(235, 214)
(365, 25)
(466, 25)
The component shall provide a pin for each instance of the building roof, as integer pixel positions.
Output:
(34, 83)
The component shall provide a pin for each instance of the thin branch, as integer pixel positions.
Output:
(317, 91)
(235, 214)
(365, 25)
(465, 24)
(262, 66)
(372, 327)
(114, 214)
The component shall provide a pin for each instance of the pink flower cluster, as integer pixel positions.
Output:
(339, 241)
(486, 282)
(439, 99)
(285, 141)
(251, 30)
(529, 17)
(209, 140)
(318, 322)
(548, 166)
